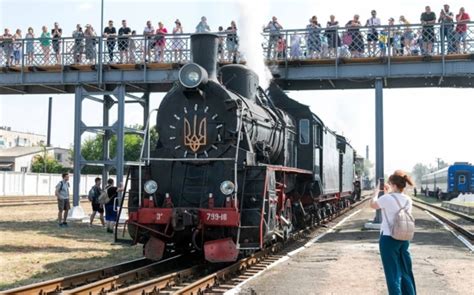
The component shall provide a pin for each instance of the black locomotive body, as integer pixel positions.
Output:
(235, 167)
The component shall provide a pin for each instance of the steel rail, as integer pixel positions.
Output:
(459, 214)
(68, 282)
(158, 284)
(26, 203)
(448, 221)
(114, 282)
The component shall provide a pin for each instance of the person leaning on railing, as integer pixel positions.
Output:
(7, 44)
(202, 26)
(273, 27)
(220, 43)
(78, 47)
(313, 39)
(30, 46)
(428, 19)
(110, 33)
(91, 43)
(177, 43)
(353, 37)
(124, 42)
(408, 35)
(133, 47)
(372, 34)
(160, 45)
(232, 42)
(334, 41)
(149, 32)
(45, 42)
(446, 19)
(394, 36)
(57, 33)
(461, 30)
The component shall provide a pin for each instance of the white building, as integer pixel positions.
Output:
(19, 159)
(9, 138)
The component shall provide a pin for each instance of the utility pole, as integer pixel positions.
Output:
(50, 108)
(438, 160)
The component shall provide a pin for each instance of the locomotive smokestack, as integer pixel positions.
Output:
(204, 52)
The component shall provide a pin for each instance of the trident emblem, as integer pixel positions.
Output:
(193, 138)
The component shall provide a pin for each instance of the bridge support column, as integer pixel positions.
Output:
(76, 212)
(379, 159)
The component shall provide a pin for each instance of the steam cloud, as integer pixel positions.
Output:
(250, 37)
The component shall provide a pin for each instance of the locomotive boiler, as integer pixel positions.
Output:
(235, 167)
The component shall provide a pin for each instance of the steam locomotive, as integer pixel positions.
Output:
(235, 167)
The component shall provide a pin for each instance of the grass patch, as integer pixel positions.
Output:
(34, 248)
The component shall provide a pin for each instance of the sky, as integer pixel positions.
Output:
(420, 124)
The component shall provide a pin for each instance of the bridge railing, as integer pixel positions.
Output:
(362, 42)
(284, 45)
(68, 51)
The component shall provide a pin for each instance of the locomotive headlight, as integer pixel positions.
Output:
(227, 187)
(150, 187)
(192, 75)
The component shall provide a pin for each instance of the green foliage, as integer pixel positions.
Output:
(92, 148)
(46, 163)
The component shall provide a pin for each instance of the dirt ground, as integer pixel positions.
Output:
(347, 262)
(34, 248)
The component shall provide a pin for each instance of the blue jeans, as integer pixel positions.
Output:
(448, 34)
(396, 262)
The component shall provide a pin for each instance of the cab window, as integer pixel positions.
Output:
(304, 131)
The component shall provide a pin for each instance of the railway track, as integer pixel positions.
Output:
(461, 223)
(21, 201)
(26, 201)
(176, 275)
(73, 281)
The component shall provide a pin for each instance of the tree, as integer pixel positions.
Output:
(92, 148)
(45, 163)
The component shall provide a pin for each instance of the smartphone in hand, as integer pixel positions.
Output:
(381, 184)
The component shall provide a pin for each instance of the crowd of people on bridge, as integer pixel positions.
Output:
(354, 39)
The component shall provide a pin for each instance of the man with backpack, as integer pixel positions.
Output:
(93, 197)
(62, 194)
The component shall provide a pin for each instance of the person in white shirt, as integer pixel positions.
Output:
(395, 256)
(148, 32)
(372, 34)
